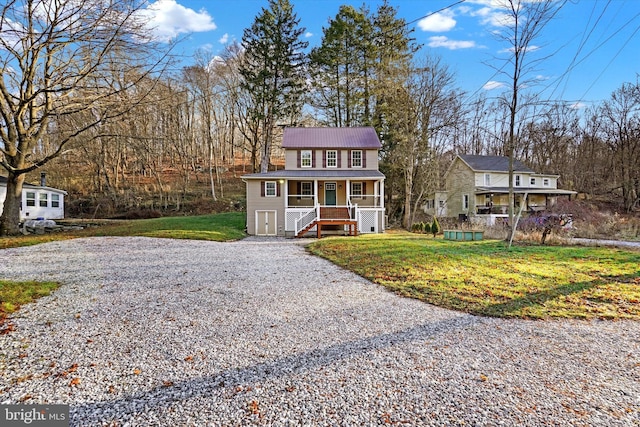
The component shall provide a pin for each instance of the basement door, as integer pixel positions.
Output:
(266, 223)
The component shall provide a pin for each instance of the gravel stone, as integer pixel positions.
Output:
(161, 332)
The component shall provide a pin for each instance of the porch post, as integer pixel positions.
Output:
(315, 192)
(285, 192)
(348, 191)
(381, 185)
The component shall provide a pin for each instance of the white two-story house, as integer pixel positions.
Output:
(478, 187)
(330, 183)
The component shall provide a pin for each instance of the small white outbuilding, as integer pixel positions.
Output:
(38, 201)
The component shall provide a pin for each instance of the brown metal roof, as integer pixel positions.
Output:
(356, 137)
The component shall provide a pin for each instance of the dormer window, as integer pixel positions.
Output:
(305, 159)
(332, 159)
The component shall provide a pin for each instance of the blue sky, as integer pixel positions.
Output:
(593, 46)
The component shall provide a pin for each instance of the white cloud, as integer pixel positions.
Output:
(308, 34)
(532, 48)
(438, 22)
(578, 105)
(167, 19)
(492, 84)
(442, 41)
(224, 39)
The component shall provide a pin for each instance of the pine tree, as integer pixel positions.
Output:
(274, 71)
(341, 68)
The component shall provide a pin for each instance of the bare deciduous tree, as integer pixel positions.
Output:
(58, 59)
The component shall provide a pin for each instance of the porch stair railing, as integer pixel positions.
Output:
(306, 221)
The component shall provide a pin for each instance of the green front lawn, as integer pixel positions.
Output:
(216, 227)
(485, 278)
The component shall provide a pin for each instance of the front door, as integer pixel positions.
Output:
(266, 223)
(330, 193)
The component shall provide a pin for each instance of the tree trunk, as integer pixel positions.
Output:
(10, 218)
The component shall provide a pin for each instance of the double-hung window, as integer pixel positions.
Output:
(306, 188)
(532, 182)
(31, 198)
(270, 189)
(487, 179)
(356, 159)
(465, 202)
(305, 159)
(545, 182)
(43, 200)
(356, 189)
(332, 159)
(518, 181)
(55, 200)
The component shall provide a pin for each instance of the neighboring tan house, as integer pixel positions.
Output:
(38, 201)
(330, 183)
(478, 187)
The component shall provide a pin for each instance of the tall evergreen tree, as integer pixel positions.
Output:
(393, 72)
(340, 68)
(273, 70)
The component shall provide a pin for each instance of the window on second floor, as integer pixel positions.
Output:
(356, 158)
(518, 181)
(532, 182)
(305, 158)
(465, 202)
(332, 159)
(487, 179)
(545, 182)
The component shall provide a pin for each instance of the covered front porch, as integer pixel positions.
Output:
(334, 206)
(492, 207)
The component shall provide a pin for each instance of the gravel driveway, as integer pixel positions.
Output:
(258, 332)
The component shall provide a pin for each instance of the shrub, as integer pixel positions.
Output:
(426, 228)
(435, 227)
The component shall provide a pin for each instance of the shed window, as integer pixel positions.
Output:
(55, 200)
(31, 198)
(43, 200)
